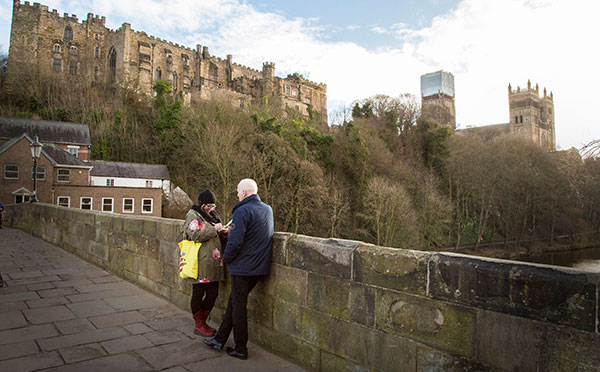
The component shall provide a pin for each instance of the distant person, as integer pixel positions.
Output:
(2, 215)
(203, 224)
(248, 259)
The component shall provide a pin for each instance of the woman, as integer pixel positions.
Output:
(203, 224)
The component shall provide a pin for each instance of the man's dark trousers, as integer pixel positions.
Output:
(236, 315)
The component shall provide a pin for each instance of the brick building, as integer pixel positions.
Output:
(66, 177)
(43, 41)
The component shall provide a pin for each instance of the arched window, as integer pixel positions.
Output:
(68, 35)
(56, 48)
(112, 63)
(157, 74)
(97, 53)
(73, 50)
(174, 81)
(95, 72)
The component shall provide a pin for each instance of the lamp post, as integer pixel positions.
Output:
(36, 150)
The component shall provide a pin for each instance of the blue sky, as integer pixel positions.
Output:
(363, 48)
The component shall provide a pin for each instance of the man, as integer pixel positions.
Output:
(248, 258)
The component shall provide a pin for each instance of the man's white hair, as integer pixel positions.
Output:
(249, 185)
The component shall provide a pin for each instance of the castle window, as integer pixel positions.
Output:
(95, 72)
(113, 64)
(174, 81)
(294, 92)
(68, 35)
(96, 36)
(73, 68)
(97, 52)
(56, 48)
(57, 65)
(516, 119)
(22, 40)
(287, 89)
(73, 50)
(521, 118)
(157, 74)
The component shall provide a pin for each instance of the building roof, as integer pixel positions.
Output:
(55, 154)
(47, 131)
(129, 170)
(59, 156)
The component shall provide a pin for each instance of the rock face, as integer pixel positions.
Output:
(176, 204)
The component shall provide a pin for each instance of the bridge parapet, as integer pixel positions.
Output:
(335, 304)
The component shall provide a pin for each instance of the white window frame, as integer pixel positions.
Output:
(110, 182)
(151, 205)
(58, 175)
(17, 171)
(43, 172)
(149, 184)
(73, 150)
(132, 205)
(58, 199)
(91, 203)
(112, 205)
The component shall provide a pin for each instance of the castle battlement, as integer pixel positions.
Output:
(531, 90)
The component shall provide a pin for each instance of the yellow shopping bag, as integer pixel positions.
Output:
(188, 259)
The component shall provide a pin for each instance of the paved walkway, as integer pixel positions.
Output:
(60, 313)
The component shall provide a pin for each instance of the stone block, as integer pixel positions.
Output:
(148, 247)
(342, 299)
(435, 323)
(105, 222)
(139, 264)
(90, 309)
(18, 349)
(286, 283)
(27, 333)
(80, 353)
(175, 354)
(169, 253)
(559, 295)
(509, 343)
(12, 319)
(331, 257)
(280, 251)
(125, 344)
(567, 349)
(399, 269)
(331, 362)
(120, 260)
(149, 227)
(133, 225)
(97, 335)
(432, 360)
(68, 327)
(32, 362)
(119, 319)
(154, 287)
(169, 230)
(153, 269)
(260, 309)
(48, 314)
(98, 250)
(304, 353)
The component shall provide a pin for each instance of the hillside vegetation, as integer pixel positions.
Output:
(383, 176)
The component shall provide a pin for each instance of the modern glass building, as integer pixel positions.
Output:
(437, 82)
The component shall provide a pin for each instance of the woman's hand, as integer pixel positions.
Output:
(219, 226)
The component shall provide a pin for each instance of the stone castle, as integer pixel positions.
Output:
(89, 50)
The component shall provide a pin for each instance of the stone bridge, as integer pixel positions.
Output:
(340, 305)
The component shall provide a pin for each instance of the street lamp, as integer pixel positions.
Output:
(36, 150)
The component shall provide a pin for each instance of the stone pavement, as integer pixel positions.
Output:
(60, 313)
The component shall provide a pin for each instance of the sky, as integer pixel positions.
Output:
(361, 48)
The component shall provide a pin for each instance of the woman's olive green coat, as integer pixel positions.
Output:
(209, 267)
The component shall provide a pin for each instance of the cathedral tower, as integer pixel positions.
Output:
(532, 116)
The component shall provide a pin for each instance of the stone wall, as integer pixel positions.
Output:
(338, 305)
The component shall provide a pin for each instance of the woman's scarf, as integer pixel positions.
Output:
(213, 217)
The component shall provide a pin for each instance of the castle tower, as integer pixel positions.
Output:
(437, 98)
(268, 74)
(532, 115)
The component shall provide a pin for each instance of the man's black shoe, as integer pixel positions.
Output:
(214, 344)
(231, 351)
